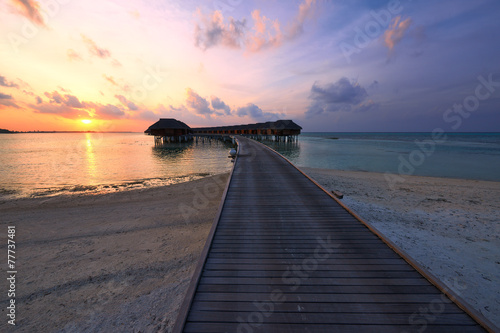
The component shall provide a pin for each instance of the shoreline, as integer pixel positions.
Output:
(77, 190)
(108, 262)
(449, 226)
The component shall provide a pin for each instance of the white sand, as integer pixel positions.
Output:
(117, 262)
(123, 261)
(450, 226)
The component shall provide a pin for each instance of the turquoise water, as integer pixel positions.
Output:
(455, 155)
(64, 163)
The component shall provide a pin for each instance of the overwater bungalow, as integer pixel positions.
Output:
(169, 130)
(172, 130)
(280, 130)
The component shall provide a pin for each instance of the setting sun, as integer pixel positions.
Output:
(86, 121)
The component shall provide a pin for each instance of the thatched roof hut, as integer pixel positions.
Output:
(168, 127)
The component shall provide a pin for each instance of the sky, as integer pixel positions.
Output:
(329, 65)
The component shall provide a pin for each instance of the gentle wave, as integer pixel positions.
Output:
(7, 194)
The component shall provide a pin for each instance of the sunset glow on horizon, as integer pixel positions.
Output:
(328, 65)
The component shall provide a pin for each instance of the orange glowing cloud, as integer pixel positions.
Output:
(265, 32)
(396, 31)
(31, 10)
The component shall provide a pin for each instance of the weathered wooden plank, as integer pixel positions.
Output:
(304, 280)
(319, 268)
(282, 255)
(309, 287)
(407, 308)
(457, 319)
(311, 262)
(316, 273)
(324, 328)
(292, 297)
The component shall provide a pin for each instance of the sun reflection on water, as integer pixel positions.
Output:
(90, 158)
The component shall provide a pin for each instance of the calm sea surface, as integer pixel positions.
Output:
(457, 155)
(50, 164)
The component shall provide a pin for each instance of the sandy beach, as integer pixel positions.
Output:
(117, 262)
(123, 261)
(450, 226)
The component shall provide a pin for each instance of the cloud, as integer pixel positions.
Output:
(256, 112)
(395, 32)
(94, 49)
(73, 56)
(296, 27)
(130, 105)
(339, 96)
(108, 111)
(6, 100)
(73, 101)
(5, 83)
(55, 97)
(265, 33)
(68, 100)
(59, 109)
(123, 86)
(148, 115)
(4, 103)
(213, 31)
(116, 63)
(69, 106)
(251, 110)
(31, 10)
(110, 79)
(369, 105)
(218, 104)
(197, 103)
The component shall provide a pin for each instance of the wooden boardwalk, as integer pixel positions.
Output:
(286, 257)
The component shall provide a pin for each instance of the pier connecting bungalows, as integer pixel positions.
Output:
(280, 130)
(172, 130)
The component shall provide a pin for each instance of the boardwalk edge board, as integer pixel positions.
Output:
(460, 302)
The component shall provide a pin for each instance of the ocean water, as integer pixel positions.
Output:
(454, 155)
(47, 164)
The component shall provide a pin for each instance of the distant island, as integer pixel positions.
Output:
(5, 131)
